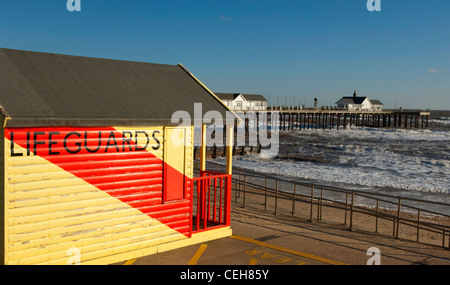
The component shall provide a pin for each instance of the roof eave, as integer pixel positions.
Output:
(211, 93)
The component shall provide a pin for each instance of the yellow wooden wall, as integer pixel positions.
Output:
(2, 195)
(53, 217)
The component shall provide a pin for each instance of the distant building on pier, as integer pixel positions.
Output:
(355, 103)
(243, 102)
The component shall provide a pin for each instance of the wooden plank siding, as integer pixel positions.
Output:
(102, 204)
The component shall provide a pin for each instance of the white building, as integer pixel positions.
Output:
(243, 102)
(355, 103)
(376, 105)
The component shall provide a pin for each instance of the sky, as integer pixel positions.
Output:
(289, 51)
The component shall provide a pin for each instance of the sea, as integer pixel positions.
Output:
(413, 163)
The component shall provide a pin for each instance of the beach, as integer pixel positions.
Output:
(405, 163)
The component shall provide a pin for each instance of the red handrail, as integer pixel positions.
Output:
(212, 194)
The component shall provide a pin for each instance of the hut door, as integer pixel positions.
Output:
(174, 163)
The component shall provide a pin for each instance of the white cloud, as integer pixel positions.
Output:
(433, 70)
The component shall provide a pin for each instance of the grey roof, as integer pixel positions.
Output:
(353, 100)
(376, 102)
(227, 96)
(43, 89)
(249, 97)
(359, 100)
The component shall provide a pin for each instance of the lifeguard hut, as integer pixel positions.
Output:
(90, 172)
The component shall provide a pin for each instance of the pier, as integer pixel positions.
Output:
(291, 119)
(316, 119)
(295, 118)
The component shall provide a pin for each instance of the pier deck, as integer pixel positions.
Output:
(290, 119)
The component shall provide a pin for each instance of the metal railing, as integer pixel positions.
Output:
(399, 217)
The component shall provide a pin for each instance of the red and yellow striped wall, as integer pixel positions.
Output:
(95, 195)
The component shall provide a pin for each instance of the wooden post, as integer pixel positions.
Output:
(280, 122)
(331, 120)
(257, 123)
(338, 120)
(229, 149)
(293, 121)
(203, 149)
(300, 119)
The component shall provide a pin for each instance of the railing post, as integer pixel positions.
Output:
(312, 202)
(228, 201)
(265, 195)
(240, 179)
(351, 210)
(293, 199)
(208, 202)
(276, 195)
(245, 188)
(215, 200)
(346, 206)
(238, 188)
(225, 195)
(191, 215)
(319, 206)
(418, 223)
(376, 216)
(199, 195)
(397, 219)
(205, 209)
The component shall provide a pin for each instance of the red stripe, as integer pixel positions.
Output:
(113, 163)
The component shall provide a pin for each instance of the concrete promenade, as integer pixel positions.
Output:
(262, 238)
